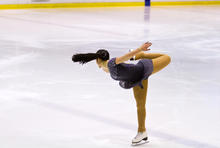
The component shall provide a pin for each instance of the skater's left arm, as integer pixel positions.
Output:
(129, 55)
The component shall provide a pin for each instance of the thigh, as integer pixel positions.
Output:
(141, 94)
(160, 62)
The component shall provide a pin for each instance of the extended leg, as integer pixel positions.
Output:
(144, 55)
(159, 60)
(140, 97)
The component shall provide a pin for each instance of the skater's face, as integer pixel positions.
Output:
(101, 64)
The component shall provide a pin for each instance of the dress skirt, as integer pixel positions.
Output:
(147, 71)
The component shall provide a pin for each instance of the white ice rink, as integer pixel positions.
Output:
(47, 101)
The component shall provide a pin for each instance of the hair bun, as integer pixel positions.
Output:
(103, 54)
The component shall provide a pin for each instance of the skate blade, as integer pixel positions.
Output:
(139, 143)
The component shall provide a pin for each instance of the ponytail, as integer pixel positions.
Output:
(84, 58)
(87, 57)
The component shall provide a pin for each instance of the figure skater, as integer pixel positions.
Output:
(130, 75)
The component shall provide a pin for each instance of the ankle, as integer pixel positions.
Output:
(141, 130)
(139, 55)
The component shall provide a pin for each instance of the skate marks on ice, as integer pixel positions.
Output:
(121, 124)
(92, 29)
(181, 140)
(81, 113)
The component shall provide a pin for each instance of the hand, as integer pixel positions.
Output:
(145, 46)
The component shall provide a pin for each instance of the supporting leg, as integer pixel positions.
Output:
(159, 62)
(140, 97)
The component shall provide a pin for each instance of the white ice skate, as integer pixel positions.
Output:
(139, 137)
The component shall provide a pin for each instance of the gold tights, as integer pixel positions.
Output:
(159, 62)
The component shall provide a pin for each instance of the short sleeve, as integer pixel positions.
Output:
(111, 62)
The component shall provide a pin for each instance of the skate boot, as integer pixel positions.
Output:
(133, 58)
(139, 137)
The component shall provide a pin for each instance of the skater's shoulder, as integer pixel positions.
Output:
(111, 62)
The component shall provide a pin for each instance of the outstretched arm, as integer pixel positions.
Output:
(129, 55)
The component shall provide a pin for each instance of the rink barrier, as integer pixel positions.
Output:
(71, 5)
(104, 4)
(185, 3)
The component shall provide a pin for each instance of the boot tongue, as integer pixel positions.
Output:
(139, 133)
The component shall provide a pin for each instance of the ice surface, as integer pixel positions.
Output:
(47, 101)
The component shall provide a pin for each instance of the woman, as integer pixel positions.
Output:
(130, 75)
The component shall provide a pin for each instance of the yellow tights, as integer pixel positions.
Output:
(159, 62)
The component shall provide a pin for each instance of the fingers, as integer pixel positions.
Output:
(146, 49)
(148, 42)
(146, 45)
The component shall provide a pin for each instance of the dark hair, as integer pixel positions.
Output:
(87, 57)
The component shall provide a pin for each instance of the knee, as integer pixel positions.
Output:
(141, 106)
(168, 58)
(141, 109)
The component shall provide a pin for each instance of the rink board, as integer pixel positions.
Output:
(12, 4)
(71, 5)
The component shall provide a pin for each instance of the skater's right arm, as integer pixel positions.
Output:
(129, 55)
